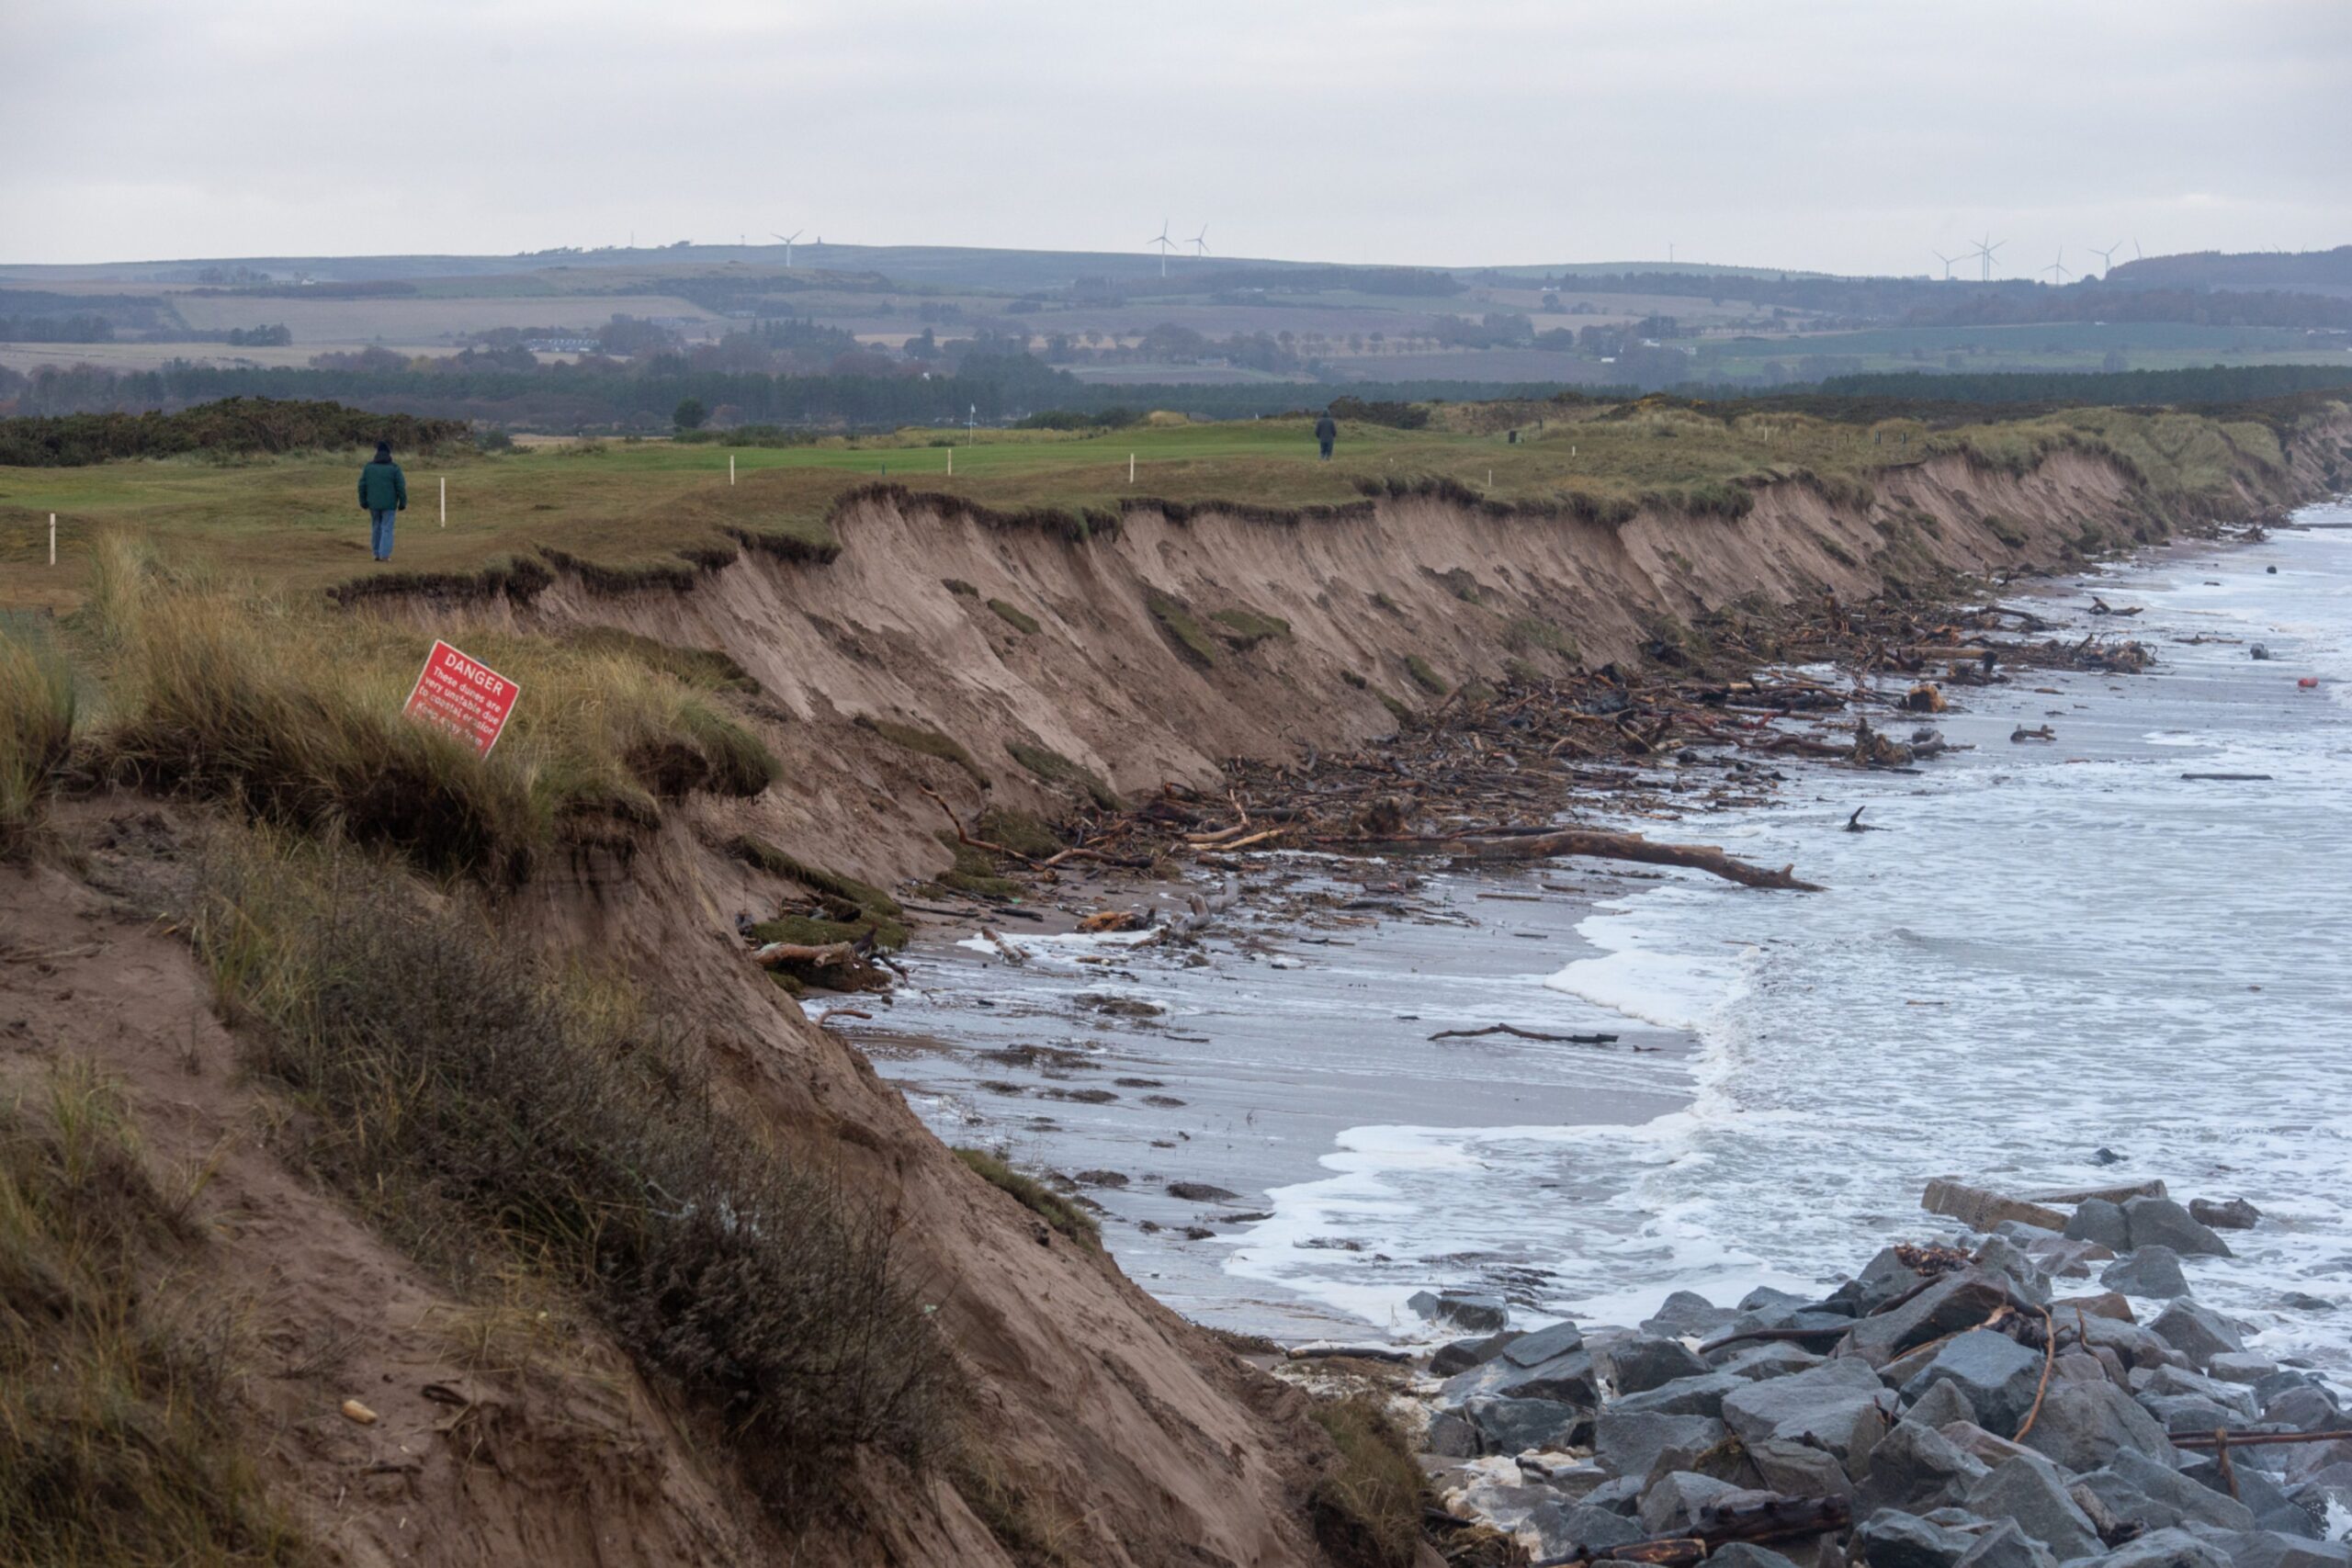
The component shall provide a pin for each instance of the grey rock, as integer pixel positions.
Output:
(2006, 1545)
(2001, 1255)
(1775, 1359)
(1959, 1301)
(1470, 1313)
(2241, 1367)
(1673, 1502)
(2185, 1412)
(1450, 1436)
(1974, 1440)
(1683, 1396)
(2234, 1397)
(2306, 1463)
(1534, 1348)
(1515, 1425)
(2031, 1491)
(1999, 1375)
(1797, 1468)
(2264, 1498)
(1636, 1366)
(1650, 1446)
(1940, 1405)
(1507, 1506)
(2151, 1270)
(1569, 1379)
(2084, 1426)
(1914, 1468)
(1464, 1354)
(2080, 1366)
(1748, 1554)
(1686, 1312)
(1766, 1298)
(1581, 1529)
(1838, 1405)
(2196, 1332)
(2304, 1409)
(1883, 1279)
(2166, 1549)
(2277, 1549)
(2231, 1214)
(2097, 1220)
(2151, 1493)
(1892, 1539)
(1623, 1496)
(2162, 1223)
(2131, 1344)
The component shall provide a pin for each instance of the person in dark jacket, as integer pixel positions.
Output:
(1326, 432)
(383, 493)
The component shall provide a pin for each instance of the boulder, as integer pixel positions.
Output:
(1999, 1375)
(1648, 1446)
(1685, 1314)
(1473, 1313)
(1507, 1506)
(1796, 1468)
(2085, 1424)
(1980, 1209)
(1891, 1538)
(2231, 1214)
(2003, 1257)
(2183, 1414)
(2007, 1545)
(1579, 1529)
(1673, 1504)
(2151, 1495)
(2151, 1270)
(2240, 1367)
(1683, 1396)
(1450, 1436)
(1940, 1405)
(1543, 1344)
(1464, 1354)
(1506, 1425)
(2112, 1192)
(1568, 1378)
(2234, 1397)
(1914, 1468)
(2031, 1491)
(1773, 1359)
(2276, 1549)
(2166, 1549)
(1959, 1301)
(1623, 1496)
(2102, 1221)
(1840, 1407)
(1970, 1439)
(2107, 1303)
(2079, 1366)
(1636, 1366)
(1748, 1554)
(2133, 1344)
(1883, 1279)
(2264, 1498)
(2303, 1409)
(2160, 1221)
(2196, 1332)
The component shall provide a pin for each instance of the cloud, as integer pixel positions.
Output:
(1823, 133)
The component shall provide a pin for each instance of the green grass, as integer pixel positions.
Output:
(1427, 679)
(1245, 628)
(1183, 628)
(37, 709)
(1054, 768)
(768, 858)
(1055, 1209)
(1019, 620)
(925, 743)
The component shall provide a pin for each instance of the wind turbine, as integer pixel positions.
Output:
(2137, 254)
(1947, 261)
(1200, 242)
(2057, 269)
(788, 240)
(1984, 253)
(2107, 256)
(1165, 244)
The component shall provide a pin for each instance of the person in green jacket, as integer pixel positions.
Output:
(383, 493)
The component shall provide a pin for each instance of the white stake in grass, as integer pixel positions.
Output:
(951, 460)
(52, 538)
(1131, 468)
(731, 467)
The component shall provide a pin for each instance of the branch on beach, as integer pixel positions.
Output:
(1518, 1033)
(1583, 842)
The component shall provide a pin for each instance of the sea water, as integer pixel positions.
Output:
(2058, 964)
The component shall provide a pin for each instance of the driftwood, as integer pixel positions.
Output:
(1525, 1034)
(828, 955)
(1584, 841)
(1774, 1519)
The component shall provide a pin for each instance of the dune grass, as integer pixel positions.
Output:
(484, 1110)
(1367, 1507)
(37, 718)
(1036, 1196)
(118, 1443)
(294, 711)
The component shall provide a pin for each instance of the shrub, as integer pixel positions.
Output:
(1246, 629)
(115, 1441)
(37, 713)
(232, 426)
(483, 1111)
(1367, 1509)
(1427, 679)
(1176, 619)
(1057, 1211)
(1020, 621)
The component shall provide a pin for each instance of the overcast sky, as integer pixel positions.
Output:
(1807, 133)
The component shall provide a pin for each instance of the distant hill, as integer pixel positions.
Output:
(2308, 272)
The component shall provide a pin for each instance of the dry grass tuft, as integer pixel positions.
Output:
(36, 714)
(1367, 1509)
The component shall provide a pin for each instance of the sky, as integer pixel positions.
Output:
(1823, 134)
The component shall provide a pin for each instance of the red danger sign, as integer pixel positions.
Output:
(469, 700)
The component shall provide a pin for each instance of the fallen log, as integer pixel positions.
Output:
(1525, 1034)
(1544, 845)
(825, 956)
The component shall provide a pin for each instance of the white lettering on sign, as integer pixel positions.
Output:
(469, 699)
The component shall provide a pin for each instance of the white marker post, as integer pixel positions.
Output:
(951, 460)
(445, 501)
(1131, 468)
(731, 467)
(52, 538)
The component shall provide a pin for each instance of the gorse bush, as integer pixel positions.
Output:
(115, 1442)
(484, 1110)
(233, 426)
(294, 712)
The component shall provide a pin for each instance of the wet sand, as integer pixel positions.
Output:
(1289, 1023)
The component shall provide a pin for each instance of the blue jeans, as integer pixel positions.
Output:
(380, 532)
